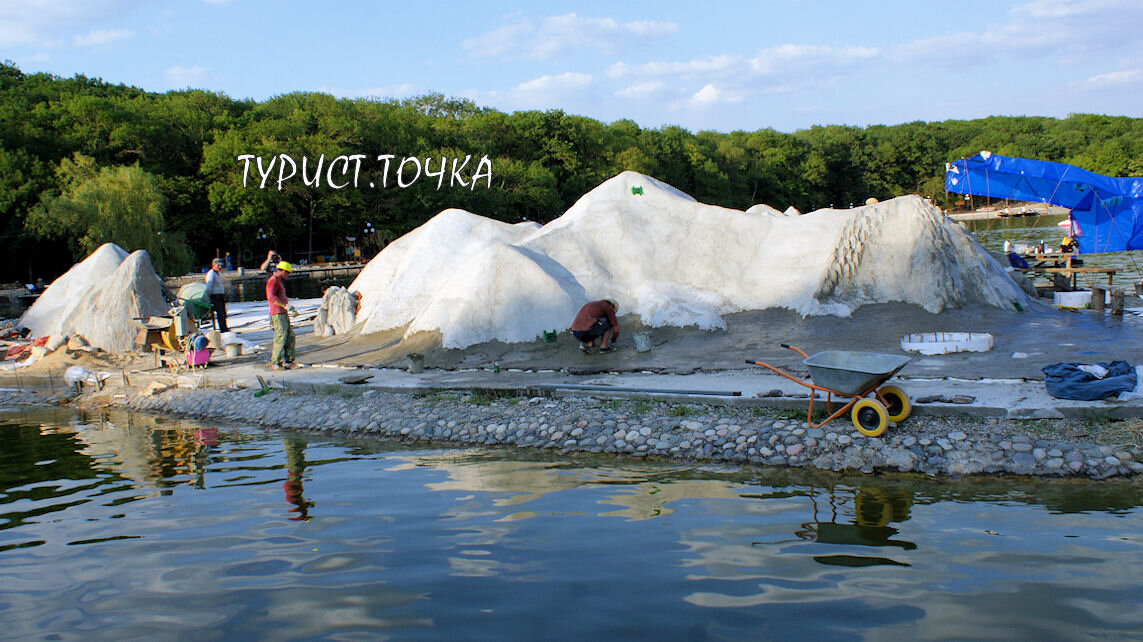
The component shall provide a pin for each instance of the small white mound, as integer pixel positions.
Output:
(337, 312)
(47, 314)
(106, 314)
(792, 211)
(763, 210)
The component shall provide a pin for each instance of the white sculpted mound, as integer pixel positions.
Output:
(100, 299)
(47, 314)
(673, 262)
(400, 281)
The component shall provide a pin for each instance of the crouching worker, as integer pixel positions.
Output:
(282, 356)
(596, 320)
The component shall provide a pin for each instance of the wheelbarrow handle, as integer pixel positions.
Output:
(795, 349)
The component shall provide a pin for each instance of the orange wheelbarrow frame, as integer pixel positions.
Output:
(873, 405)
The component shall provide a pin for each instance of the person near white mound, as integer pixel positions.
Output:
(282, 356)
(596, 320)
(271, 263)
(216, 290)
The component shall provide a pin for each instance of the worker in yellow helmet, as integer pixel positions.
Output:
(282, 356)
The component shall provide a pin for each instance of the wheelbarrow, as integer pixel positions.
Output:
(857, 376)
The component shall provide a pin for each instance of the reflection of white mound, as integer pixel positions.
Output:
(99, 299)
(672, 261)
(47, 314)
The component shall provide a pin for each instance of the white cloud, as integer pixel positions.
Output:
(556, 36)
(498, 42)
(784, 59)
(688, 68)
(179, 77)
(403, 90)
(103, 37)
(1062, 29)
(642, 90)
(1055, 9)
(708, 95)
(53, 22)
(563, 82)
(1116, 79)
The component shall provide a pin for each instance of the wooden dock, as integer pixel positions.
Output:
(245, 277)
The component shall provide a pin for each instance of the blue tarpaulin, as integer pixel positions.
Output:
(1069, 381)
(1107, 210)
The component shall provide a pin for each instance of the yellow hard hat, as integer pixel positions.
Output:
(285, 265)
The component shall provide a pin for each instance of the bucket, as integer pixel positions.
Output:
(642, 342)
(234, 349)
(416, 362)
(550, 336)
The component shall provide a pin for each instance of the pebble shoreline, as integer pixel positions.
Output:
(734, 435)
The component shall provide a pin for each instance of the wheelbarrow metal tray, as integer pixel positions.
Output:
(852, 373)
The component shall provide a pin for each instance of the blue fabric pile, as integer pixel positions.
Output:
(1070, 381)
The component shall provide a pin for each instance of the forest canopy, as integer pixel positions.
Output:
(83, 161)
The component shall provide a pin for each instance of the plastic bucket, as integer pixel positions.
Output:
(416, 363)
(234, 349)
(642, 342)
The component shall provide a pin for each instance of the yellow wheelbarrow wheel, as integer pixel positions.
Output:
(870, 417)
(897, 404)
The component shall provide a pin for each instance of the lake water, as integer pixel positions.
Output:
(119, 525)
(1031, 230)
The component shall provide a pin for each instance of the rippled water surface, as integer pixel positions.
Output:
(118, 526)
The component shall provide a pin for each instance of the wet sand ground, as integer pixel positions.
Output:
(1024, 342)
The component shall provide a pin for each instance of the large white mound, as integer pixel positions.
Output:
(105, 315)
(672, 261)
(47, 314)
(99, 298)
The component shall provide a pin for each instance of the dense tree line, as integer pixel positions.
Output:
(84, 162)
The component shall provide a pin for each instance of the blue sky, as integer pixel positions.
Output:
(782, 64)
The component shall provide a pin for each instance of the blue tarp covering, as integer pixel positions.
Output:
(1107, 210)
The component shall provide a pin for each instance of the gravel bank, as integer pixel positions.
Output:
(643, 428)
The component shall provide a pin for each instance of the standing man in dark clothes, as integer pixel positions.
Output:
(596, 320)
(216, 290)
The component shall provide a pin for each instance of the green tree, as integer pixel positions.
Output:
(121, 205)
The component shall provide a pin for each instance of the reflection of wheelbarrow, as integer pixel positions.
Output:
(857, 375)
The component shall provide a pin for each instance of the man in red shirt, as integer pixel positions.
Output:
(282, 356)
(596, 320)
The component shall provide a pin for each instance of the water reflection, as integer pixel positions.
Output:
(113, 522)
(296, 467)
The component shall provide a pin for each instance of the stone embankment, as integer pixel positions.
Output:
(645, 428)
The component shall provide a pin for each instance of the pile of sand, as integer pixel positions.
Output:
(673, 262)
(99, 299)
